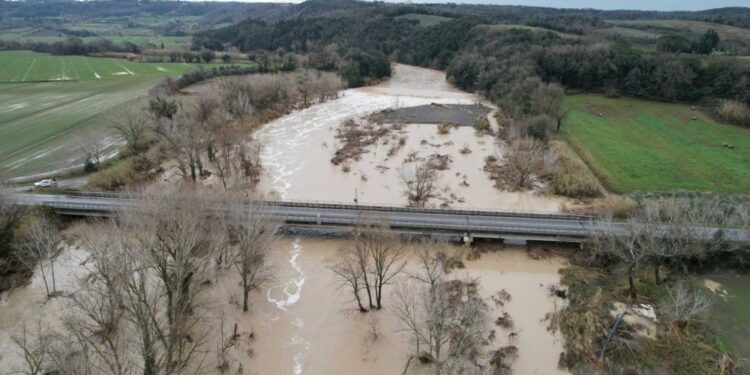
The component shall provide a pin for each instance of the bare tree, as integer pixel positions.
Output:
(523, 158)
(131, 125)
(225, 343)
(385, 252)
(628, 247)
(92, 145)
(204, 113)
(253, 234)
(95, 311)
(35, 347)
(349, 274)
(685, 306)
(420, 179)
(185, 141)
(174, 244)
(434, 260)
(445, 323)
(236, 97)
(39, 246)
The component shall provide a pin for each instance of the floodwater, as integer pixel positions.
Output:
(303, 324)
(298, 149)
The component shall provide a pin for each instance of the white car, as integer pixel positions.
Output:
(45, 183)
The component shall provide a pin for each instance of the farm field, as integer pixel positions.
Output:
(726, 32)
(636, 145)
(41, 122)
(22, 66)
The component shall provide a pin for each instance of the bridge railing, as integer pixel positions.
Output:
(374, 207)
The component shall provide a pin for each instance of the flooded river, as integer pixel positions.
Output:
(298, 149)
(303, 324)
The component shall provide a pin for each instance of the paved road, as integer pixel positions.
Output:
(468, 224)
(73, 182)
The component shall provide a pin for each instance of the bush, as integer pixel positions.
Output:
(734, 112)
(118, 175)
(618, 206)
(482, 125)
(572, 178)
(89, 166)
(540, 127)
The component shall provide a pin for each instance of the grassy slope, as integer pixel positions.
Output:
(696, 27)
(650, 146)
(504, 26)
(39, 121)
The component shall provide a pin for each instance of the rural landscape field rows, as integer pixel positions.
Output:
(66, 96)
(22, 66)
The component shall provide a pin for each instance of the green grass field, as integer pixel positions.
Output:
(40, 122)
(22, 66)
(726, 32)
(638, 145)
(505, 26)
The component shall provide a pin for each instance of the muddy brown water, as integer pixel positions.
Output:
(303, 324)
(298, 149)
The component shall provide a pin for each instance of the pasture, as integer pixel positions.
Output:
(41, 122)
(637, 145)
(695, 27)
(506, 26)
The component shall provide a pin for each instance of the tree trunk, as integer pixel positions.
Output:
(657, 276)
(631, 281)
(379, 294)
(245, 292)
(359, 302)
(54, 282)
(192, 169)
(367, 287)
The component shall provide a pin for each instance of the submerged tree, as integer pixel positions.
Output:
(420, 179)
(253, 233)
(372, 261)
(446, 323)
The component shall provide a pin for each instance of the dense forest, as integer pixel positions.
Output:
(504, 64)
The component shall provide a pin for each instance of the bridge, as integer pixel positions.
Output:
(466, 224)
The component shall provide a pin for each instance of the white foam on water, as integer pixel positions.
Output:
(292, 291)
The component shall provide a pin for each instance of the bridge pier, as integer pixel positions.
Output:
(468, 239)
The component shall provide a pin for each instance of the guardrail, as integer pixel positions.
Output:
(369, 207)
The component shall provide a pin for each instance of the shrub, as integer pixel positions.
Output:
(89, 166)
(540, 127)
(734, 112)
(618, 206)
(572, 178)
(523, 159)
(482, 125)
(120, 174)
